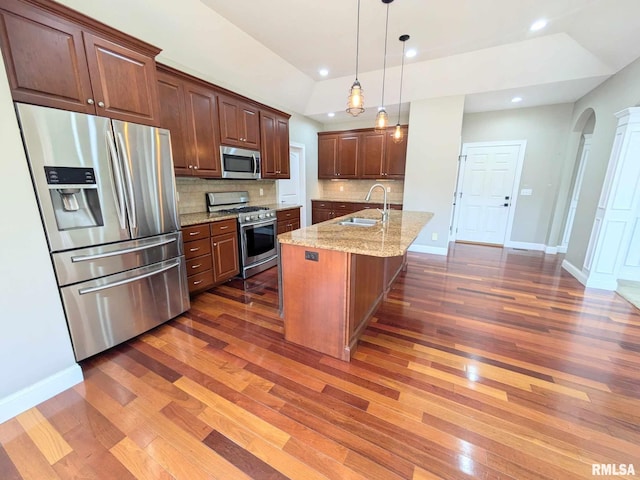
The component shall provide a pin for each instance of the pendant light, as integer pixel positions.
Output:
(355, 103)
(398, 136)
(382, 119)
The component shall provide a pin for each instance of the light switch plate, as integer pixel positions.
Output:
(526, 192)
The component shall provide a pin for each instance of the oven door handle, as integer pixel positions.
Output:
(259, 224)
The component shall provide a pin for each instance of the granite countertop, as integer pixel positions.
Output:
(382, 240)
(188, 219)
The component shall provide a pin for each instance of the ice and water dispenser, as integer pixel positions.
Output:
(74, 196)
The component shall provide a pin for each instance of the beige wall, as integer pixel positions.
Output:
(432, 162)
(619, 92)
(36, 359)
(545, 129)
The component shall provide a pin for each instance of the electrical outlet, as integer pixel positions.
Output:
(261, 192)
(341, 188)
(388, 189)
(434, 236)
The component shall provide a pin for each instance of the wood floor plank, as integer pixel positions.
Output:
(488, 364)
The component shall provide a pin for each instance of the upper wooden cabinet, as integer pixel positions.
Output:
(361, 154)
(239, 123)
(274, 132)
(189, 111)
(58, 58)
(338, 155)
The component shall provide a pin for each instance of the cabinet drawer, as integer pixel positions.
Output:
(342, 206)
(199, 264)
(200, 281)
(223, 226)
(195, 232)
(197, 248)
(284, 215)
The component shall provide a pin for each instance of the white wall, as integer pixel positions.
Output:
(36, 358)
(619, 92)
(545, 129)
(432, 163)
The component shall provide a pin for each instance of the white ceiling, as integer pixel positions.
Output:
(482, 49)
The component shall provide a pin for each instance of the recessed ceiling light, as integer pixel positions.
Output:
(538, 25)
(516, 99)
(412, 52)
(323, 72)
(331, 114)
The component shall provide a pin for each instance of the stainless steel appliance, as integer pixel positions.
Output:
(257, 226)
(240, 163)
(106, 193)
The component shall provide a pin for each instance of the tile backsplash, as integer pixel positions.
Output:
(356, 190)
(191, 192)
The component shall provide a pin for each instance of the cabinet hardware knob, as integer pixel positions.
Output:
(215, 244)
(195, 167)
(194, 249)
(198, 282)
(194, 233)
(90, 101)
(224, 227)
(196, 266)
(190, 166)
(101, 104)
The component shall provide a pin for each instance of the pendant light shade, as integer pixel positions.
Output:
(355, 102)
(398, 135)
(382, 118)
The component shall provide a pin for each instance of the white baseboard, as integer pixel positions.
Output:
(32, 395)
(575, 271)
(540, 247)
(427, 249)
(602, 283)
(550, 250)
(562, 249)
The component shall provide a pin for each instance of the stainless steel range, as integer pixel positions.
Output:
(257, 226)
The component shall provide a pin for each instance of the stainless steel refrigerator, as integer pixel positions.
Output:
(106, 193)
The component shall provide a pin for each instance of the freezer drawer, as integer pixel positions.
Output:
(105, 312)
(87, 263)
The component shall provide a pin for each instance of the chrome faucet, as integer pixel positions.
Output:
(385, 207)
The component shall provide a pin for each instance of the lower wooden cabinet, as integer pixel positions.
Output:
(211, 251)
(288, 220)
(323, 210)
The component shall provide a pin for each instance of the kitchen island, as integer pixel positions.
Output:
(336, 273)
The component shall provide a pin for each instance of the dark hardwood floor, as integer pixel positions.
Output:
(489, 363)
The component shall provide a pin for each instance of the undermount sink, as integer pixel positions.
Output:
(359, 222)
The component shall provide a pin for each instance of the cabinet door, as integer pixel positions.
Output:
(327, 156)
(203, 148)
(123, 81)
(269, 149)
(173, 118)
(372, 150)
(225, 256)
(274, 130)
(282, 142)
(396, 156)
(321, 215)
(249, 126)
(348, 152)
(45, 60)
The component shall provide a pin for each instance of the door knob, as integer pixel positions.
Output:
(507, 197)
(505, 204)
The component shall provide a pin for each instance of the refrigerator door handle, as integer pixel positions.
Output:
(84, 291)
(98, 256)
(117, 174)
(127, 175)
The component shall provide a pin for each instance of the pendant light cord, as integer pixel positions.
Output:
(357, 39)
(384, 62)
(401, 75)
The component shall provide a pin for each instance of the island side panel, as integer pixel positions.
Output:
(366, 291)
(315, 298)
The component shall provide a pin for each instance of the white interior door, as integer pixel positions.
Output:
(575, 193)
(292, 190)
(486, 194)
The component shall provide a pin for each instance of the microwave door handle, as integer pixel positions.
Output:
(127, 176)
(117, 176)
(255, 165)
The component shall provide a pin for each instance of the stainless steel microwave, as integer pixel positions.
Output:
(240, 163)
